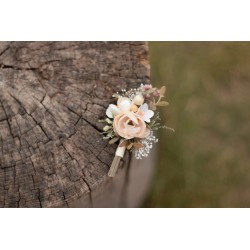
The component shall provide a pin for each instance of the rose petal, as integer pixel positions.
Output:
(129, 125)
(132, 130)
(132, 117)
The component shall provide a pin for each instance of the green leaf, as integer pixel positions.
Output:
(114, 140)
(162, 104)
(108, 121)
(110, 135)
(162, 91)
(106, 128)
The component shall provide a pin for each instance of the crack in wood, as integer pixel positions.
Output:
(3, 51)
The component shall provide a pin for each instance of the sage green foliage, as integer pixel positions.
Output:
(206, 162)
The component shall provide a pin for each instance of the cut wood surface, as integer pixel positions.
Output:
(51, 97)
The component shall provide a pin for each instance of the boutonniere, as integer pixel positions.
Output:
(132, 120)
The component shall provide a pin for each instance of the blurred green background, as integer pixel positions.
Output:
(206, 162)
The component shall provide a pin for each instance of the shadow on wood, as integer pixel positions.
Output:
(51, 97)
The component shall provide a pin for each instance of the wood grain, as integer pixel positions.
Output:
(51, 96)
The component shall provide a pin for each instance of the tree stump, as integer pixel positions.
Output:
(51, 97)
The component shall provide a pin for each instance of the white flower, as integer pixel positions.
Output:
(138, 99)
(112, 111)
(145, 113)
(123, 105)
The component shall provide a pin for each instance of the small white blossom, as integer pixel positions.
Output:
(145, 113)
(138, 99)
(112, 111)
(124, 104)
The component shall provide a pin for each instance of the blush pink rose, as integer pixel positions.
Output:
(129, 125)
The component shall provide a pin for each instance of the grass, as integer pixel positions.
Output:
(206, 162)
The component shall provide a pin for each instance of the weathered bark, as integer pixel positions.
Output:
(51, 96)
